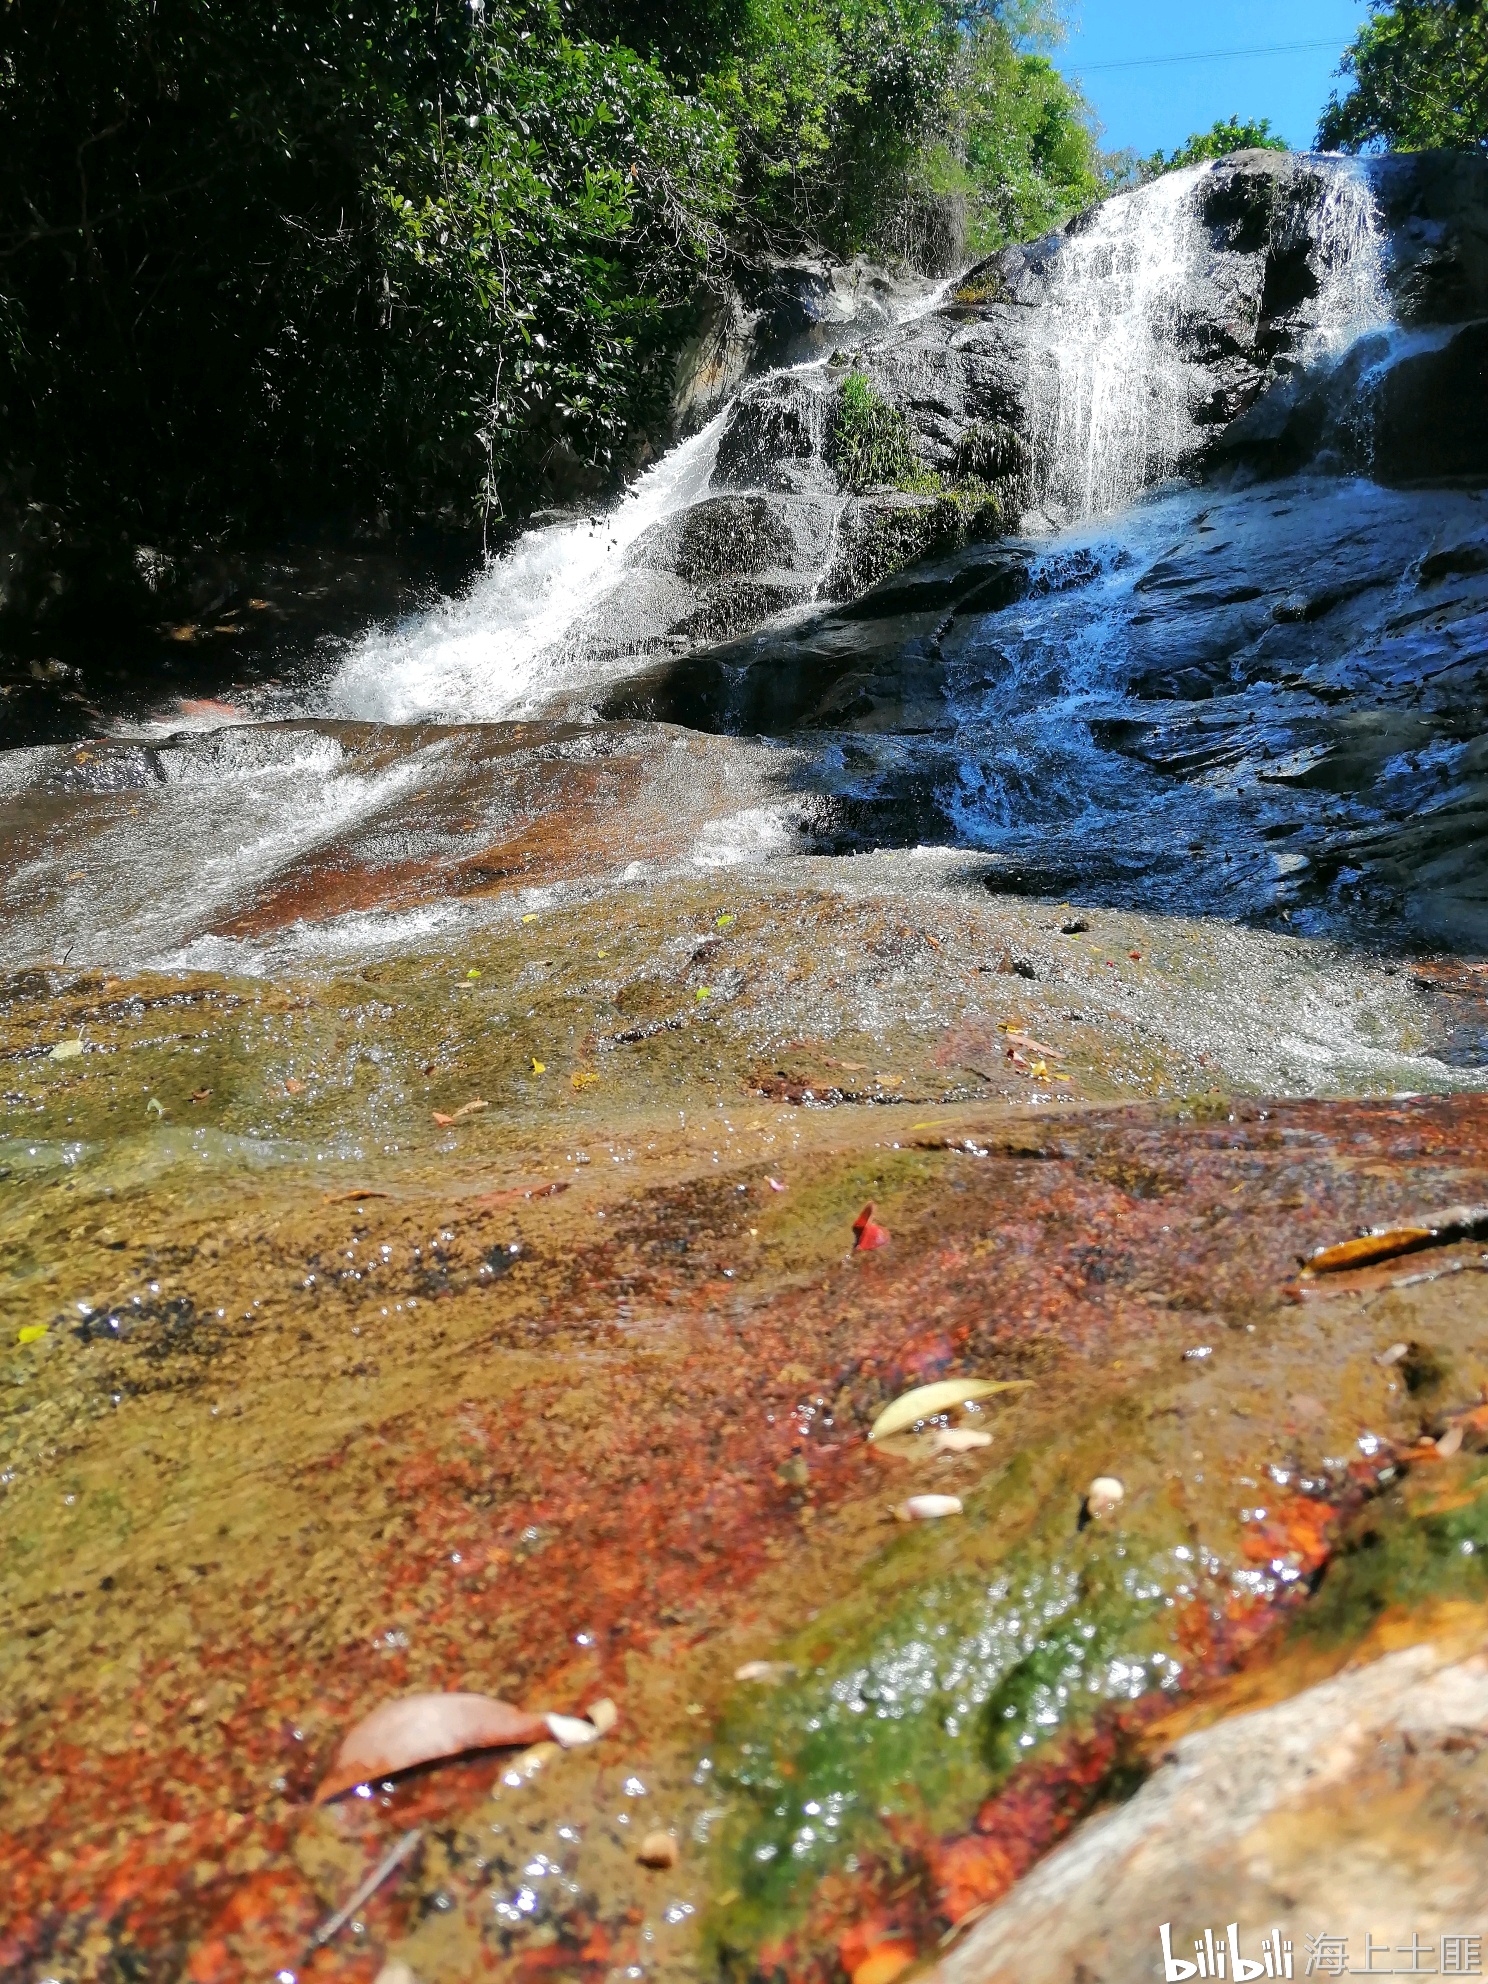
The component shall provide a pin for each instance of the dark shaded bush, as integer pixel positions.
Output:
(270, 261)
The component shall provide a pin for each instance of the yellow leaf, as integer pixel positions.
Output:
(1371, 1247)
(530, 917)
(472, 973)
(721, 922)
(67, 1050)
(704, 992)
(539, 1067)
(32, 1333)
(585, 1078)
(927, 1400)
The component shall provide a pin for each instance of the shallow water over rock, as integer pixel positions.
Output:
(441, 1085)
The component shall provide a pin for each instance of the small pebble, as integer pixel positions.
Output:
(1104, 1495)
(395, 1971)
(1450, 1442)
(928, 1508)
(657, 1849)
(573, 1731)
(603, 1714)
(764, 1670)
(960, 1439)
(1393, 1355)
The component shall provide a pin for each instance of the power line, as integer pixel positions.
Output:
(1206, 55)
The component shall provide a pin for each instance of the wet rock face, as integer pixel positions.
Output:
(1268, 313)
(776, 312)
(1249, 1816)
(1274, 255)
(1264, 702)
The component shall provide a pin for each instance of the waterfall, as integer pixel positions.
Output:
(1349, 253)
(1109, 382)
(499, 652)
(1125, 295)
(1108, 390)
(526, 631)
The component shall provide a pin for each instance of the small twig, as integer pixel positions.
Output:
(389, 1863)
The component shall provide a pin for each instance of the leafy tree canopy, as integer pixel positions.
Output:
(1420, 79)
(1225, 135)
(268, 259)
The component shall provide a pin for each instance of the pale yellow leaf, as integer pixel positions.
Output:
(927, 1400)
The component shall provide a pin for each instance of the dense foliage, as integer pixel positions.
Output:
(1225, 135)
(1420, 79)
(265, 259)
(1014, 143)
(258, 255)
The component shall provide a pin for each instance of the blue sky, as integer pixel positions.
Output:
(1154, 100)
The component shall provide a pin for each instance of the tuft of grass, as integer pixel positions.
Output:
(869, 442)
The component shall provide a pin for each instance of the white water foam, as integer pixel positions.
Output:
(1352, 299)
(220, 825)
(1109, 387)
(1108, 390)
(498, 652)
(516, 641)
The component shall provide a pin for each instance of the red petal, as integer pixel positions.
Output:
(865, 1217)
(871, 1235)
(421, 1729)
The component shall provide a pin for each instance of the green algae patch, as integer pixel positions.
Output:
(1424, 1541)
(964, 1652)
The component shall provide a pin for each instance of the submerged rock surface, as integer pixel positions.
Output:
(448, 1089)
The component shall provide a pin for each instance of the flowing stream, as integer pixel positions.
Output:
(1089, 735)
(517, 641)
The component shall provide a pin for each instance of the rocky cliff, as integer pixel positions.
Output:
(1253, 316)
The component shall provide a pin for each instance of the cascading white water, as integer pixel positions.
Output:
(498, 652)
(1109, 416)
(1108, 390)
(1109, 386)
(519, 637)
(1349, 255)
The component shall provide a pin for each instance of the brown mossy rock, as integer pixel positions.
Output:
(882, 532)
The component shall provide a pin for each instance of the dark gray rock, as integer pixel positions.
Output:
(772, 312)
(1250, 346)
(881, 534)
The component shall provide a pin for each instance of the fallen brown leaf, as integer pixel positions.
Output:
(465, 1109)
(424, 1729)
(1369, 1247)
(1029, 1044)
(488, 1201)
